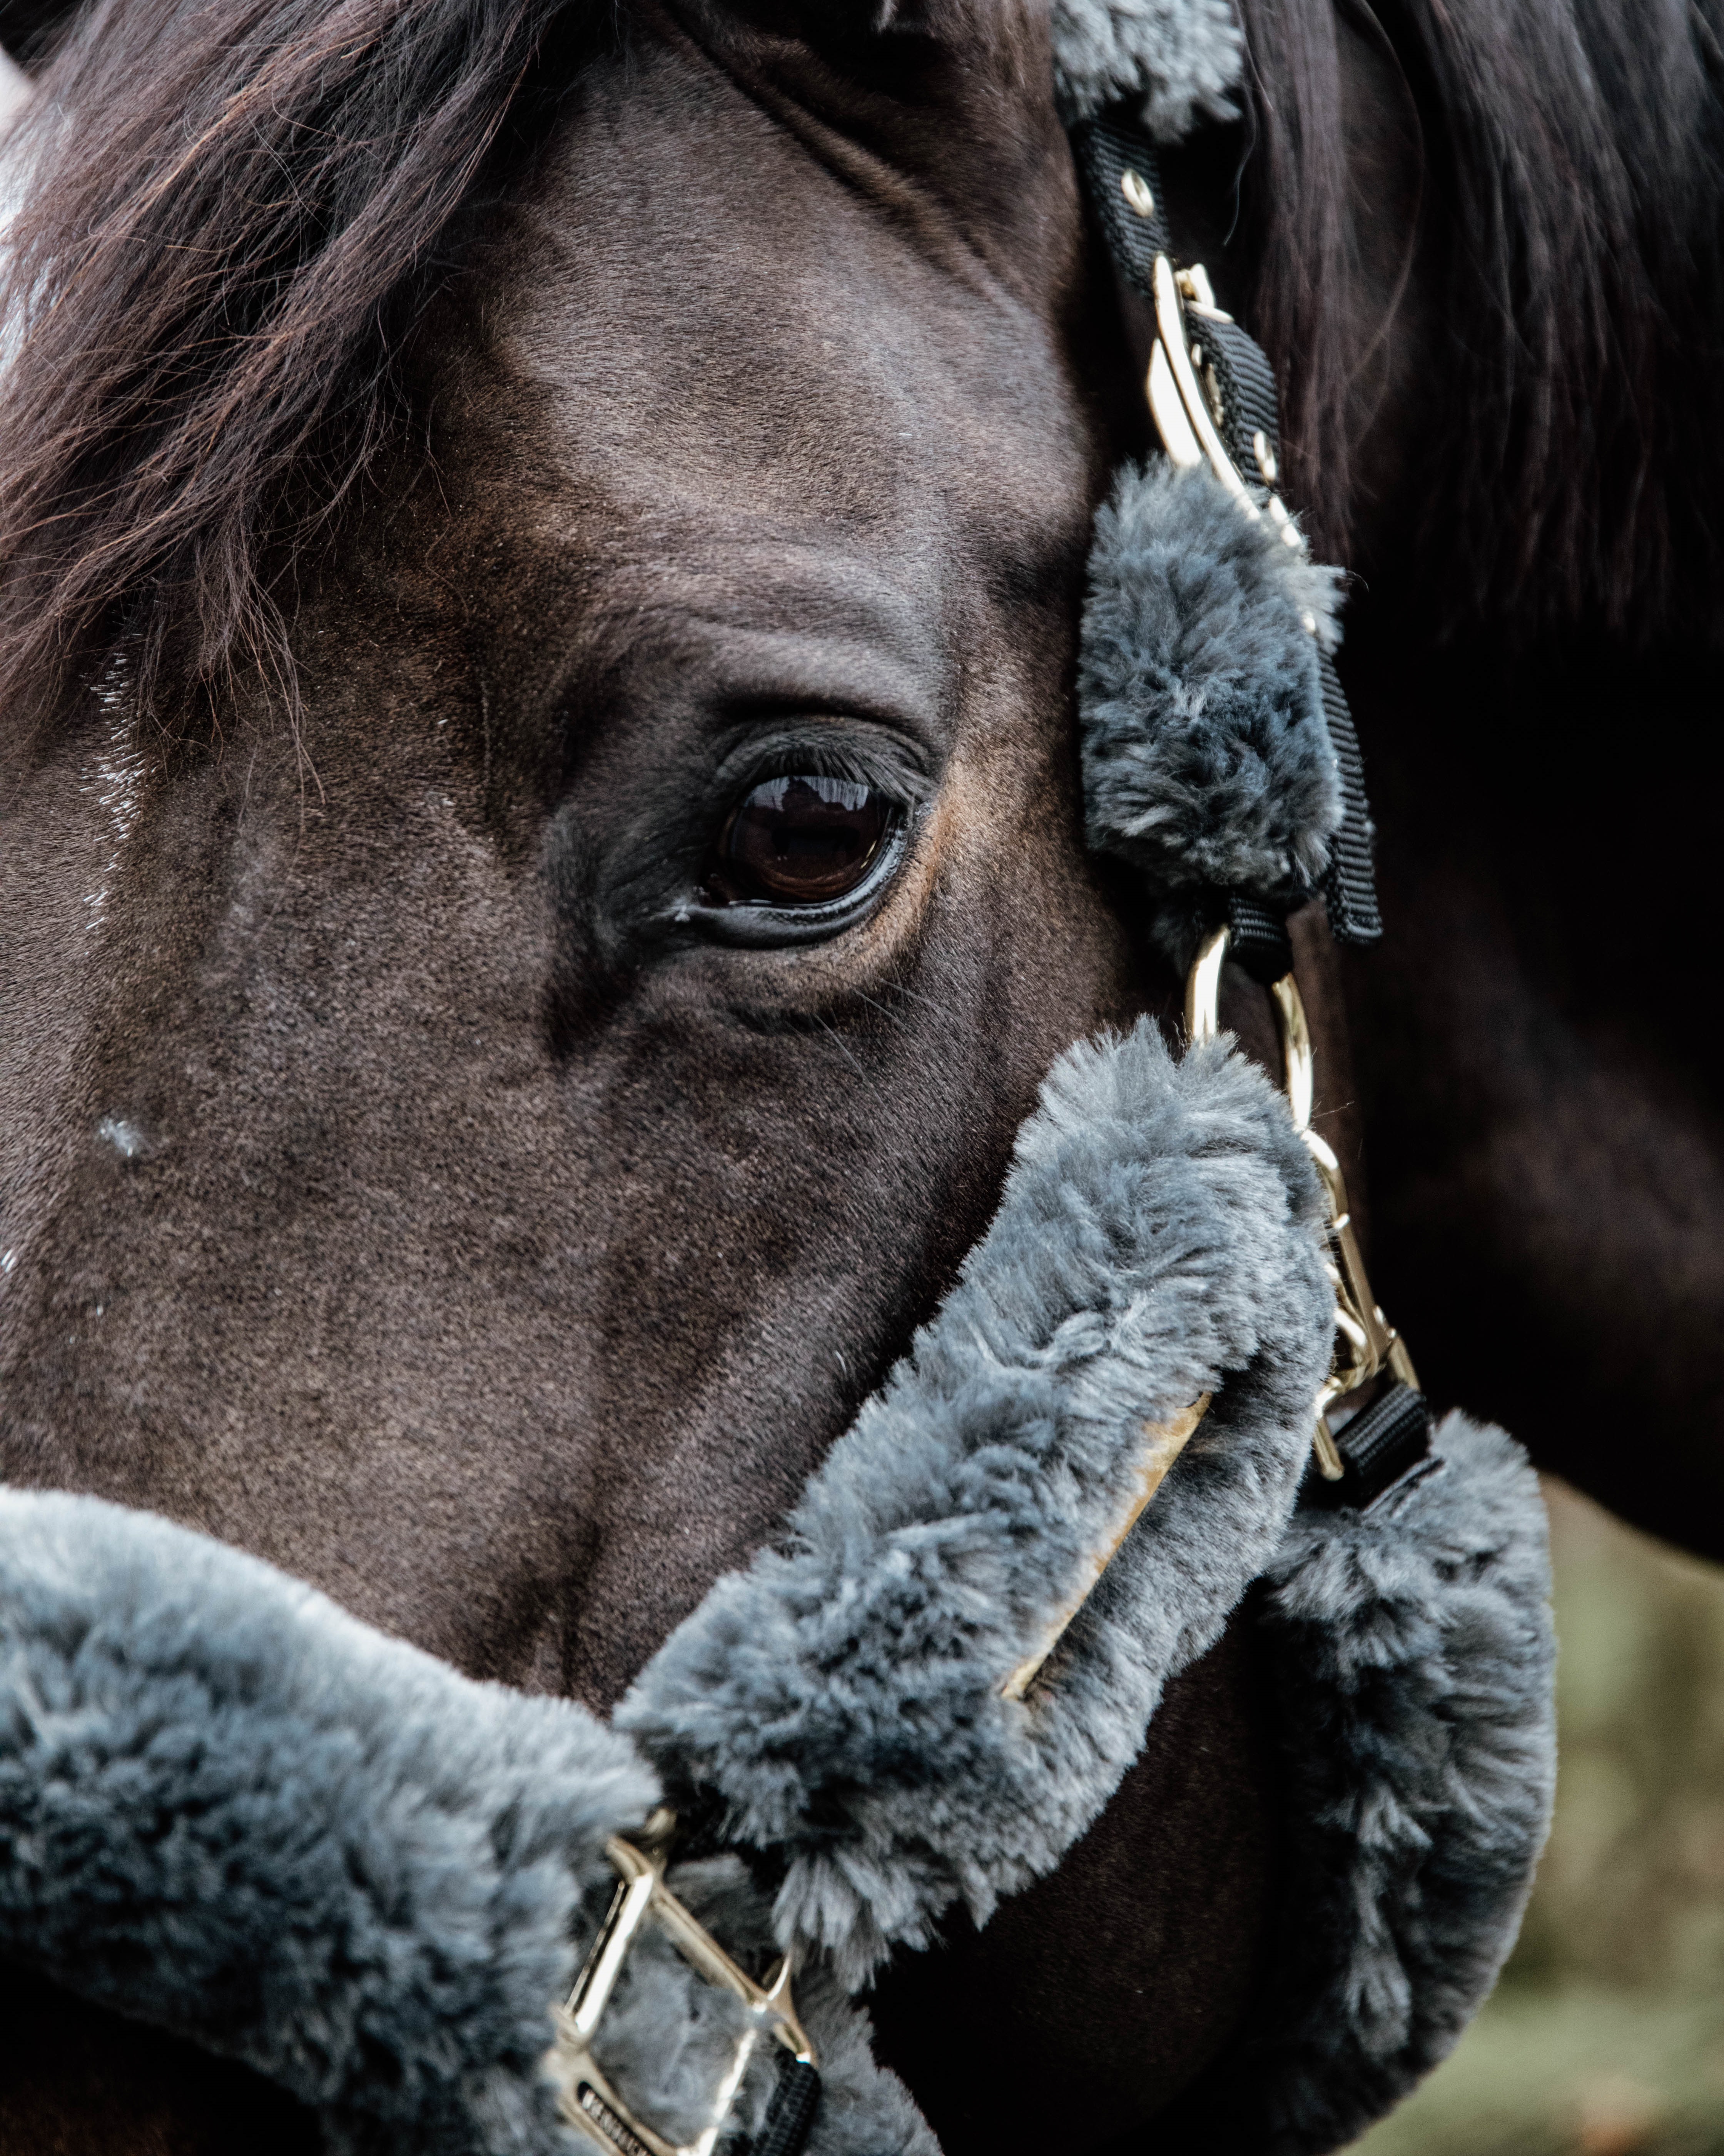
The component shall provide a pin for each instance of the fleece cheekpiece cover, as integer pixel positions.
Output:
(1177, 61)
(229, 1809)
(1207, 759)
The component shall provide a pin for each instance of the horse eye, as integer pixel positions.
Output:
(801, 840)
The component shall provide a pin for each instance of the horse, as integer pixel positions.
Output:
(494, 472)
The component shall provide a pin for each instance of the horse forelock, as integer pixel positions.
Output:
(207, 305)
(208, 311)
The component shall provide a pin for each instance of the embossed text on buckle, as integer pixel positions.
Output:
(585, 2097)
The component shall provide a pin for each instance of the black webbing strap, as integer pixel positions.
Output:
(1121, 175)
(1106, 152)
(1380, 1447)
(1257, 938)
(1349, 883)
(791, 2113)
(1249, 411)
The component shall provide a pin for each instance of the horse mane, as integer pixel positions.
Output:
(217, 262)
(1575, 167)
(229, 206)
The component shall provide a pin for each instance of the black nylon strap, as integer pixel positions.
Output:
(1257, 940)
(1349, 883)
(1246, 384)
(1107, 151)
(791, 2113)
(1113, 155)
(1380, 1446)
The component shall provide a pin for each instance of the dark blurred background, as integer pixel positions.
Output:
(1605, 2036)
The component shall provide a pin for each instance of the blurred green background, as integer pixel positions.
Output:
(1605, 2036)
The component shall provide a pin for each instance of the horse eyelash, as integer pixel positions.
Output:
(844, 758)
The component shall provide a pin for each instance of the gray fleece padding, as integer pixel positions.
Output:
(230, 1810)
(1415, 1666)
(1177, 59)
(1157, 1239)
(1206, 756)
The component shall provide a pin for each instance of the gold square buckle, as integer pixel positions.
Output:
(585, 2097)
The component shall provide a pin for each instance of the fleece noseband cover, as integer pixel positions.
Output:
(227, 1809)
(230, 1810)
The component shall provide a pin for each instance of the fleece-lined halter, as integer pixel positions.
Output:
(230, 1810)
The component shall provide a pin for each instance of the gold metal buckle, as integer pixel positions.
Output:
(585, 2097)
(1185, 402)
(1365, 1343)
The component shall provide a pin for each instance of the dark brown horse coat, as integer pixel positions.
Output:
(391, 1187)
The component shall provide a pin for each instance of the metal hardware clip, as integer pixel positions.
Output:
(1365, 1343)
(1186, 411)
(585, 2097)
(1186, 414)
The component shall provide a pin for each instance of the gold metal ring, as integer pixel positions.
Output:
(1365, 1343)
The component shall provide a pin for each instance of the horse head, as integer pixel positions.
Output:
(543, 865)
(501, 1066)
